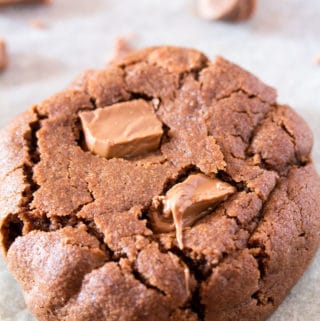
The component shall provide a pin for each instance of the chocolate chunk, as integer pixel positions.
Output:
(9, 2)
(3, 55)
(230, 10)
(122, 130)
(316, 59)
(187, 202)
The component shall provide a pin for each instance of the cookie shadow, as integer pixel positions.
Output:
(292, 19)
(30, 68)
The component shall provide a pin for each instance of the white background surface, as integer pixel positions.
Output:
(278, 45)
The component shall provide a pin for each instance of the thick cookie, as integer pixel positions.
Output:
(164, 187)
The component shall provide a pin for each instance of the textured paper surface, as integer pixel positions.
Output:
(278, 45)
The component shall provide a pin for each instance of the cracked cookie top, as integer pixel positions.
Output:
(163, 187)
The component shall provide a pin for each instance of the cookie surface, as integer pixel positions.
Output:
(79, 230)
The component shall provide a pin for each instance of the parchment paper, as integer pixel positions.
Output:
(278, 45)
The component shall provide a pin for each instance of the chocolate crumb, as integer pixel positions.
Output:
(38, 24)
(316, 59)
(3, 55)
(123, 46)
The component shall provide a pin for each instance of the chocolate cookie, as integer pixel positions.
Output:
(164, 187)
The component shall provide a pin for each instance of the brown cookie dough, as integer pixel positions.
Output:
(216, 222)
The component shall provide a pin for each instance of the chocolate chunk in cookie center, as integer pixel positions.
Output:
(187, 202)
(122, 130)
